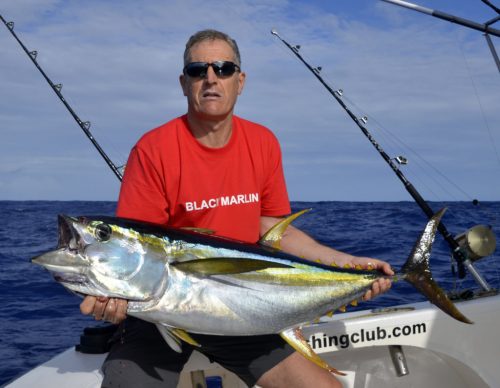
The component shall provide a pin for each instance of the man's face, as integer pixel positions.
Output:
(212, 97)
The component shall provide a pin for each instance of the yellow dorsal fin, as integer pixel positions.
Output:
(343, 309)
(329, 314)
(354, 303)
(273, 236)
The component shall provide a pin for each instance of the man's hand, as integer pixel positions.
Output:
(381, 285)
(109, 309)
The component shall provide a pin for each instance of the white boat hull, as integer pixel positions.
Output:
(439, 351)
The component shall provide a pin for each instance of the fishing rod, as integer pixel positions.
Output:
(84, 125)
(485, 27)
(462, 260)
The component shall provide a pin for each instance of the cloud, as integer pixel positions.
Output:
(424, 82)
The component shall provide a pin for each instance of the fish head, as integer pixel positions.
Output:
(98, 256)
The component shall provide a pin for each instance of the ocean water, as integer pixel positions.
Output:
(39, 318)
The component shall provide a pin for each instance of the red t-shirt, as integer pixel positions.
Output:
(173, 179)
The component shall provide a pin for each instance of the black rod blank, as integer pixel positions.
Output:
(84, 125)
(337, 94)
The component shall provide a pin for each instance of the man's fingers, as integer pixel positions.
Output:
(378, 287)
(387, 269)
(116, 310)
(121, 310)
(87, 305)
(110, 311)
(100, 307)
(368, 295)
(375, 289)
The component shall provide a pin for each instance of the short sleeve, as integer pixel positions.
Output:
(142, 193)
(275, 200)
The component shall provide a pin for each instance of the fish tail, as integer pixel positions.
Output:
(416, 271)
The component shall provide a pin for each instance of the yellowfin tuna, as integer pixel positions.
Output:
(189, 281)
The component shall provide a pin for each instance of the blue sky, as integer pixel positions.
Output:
(430, 89)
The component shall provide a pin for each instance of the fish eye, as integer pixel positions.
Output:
(102, 232)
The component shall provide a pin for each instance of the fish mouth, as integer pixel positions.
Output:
(69, 278)
(65, 261)
(68, 235)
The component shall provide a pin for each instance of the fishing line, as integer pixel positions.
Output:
(481, 109)
(397, 143)
(416, 173)
(84, 125)
(418, 160)
(460, 257)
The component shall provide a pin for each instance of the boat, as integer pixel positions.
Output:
(410, 345)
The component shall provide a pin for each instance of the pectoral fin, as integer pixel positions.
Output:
(225, 265)
(183, 335)
(173, 337)
(273, 236)
(173, 341)
(295, 339)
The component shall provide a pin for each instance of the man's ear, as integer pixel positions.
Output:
(183, 82)
(241, 81)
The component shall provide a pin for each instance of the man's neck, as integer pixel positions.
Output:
(211, 133)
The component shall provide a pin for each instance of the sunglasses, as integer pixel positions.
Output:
(220, 68)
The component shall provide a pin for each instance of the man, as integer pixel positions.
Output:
(211, 169)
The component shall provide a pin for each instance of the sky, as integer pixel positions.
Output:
(430, 90)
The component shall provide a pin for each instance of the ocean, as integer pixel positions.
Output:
(39, 318)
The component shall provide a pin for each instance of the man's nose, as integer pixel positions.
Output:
(211, 77)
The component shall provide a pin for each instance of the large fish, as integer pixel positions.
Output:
(189, 281)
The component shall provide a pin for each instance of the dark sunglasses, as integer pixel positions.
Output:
(221, 69)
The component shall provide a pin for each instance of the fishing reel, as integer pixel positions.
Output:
(477, 242)
(474, 244)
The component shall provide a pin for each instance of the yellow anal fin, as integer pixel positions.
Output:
(183, 335)
(295, 339)
(273, 236)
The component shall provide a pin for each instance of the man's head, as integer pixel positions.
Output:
(200, 36)
(212, 78)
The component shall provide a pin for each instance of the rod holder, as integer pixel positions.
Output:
(399, 360)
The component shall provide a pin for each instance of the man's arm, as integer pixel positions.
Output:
(298, 243)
